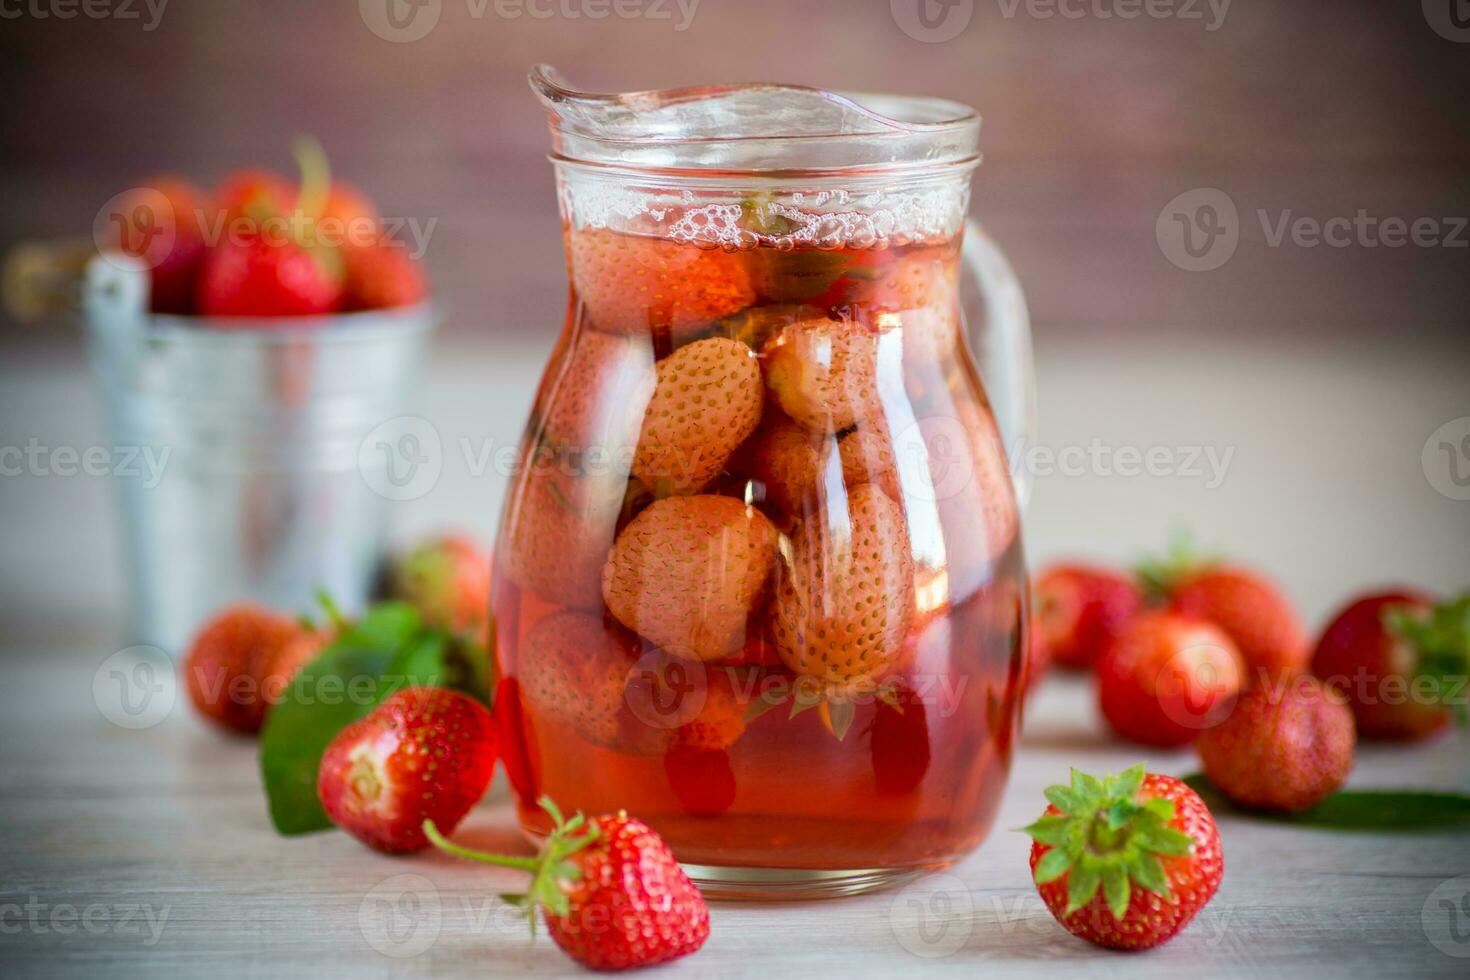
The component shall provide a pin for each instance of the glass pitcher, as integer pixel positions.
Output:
(759, 574)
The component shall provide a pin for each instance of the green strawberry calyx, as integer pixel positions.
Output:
(835, 704)
(551, 870)
(1441, 637)
(1160, 576)
(1106, 837)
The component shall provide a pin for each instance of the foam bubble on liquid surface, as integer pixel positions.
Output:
(763, 128)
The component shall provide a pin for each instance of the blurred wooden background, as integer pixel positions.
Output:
(1091, 126)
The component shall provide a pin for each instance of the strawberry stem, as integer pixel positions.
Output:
(528, 864)
(316, 177)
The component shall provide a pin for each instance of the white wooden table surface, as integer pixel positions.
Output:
(148, 853)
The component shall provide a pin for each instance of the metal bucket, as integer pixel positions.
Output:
(256, 477)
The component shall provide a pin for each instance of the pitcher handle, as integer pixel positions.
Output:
(998, 328)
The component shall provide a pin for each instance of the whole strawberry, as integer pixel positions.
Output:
(574, 671)
(1165, 678)
(824, 374)
(448, 581)
(228, 661)
(845, 601)
(1400, 660)
(423, 754)
(688, 574)
(251, 275)
(707, 400)
(1077, 610)
(380, 276)
(1285, 747)
(1250, 608)
(277, 671)
(1128, 861)
(632, 284)
(162, 223)
(253, 196)
(612, 893)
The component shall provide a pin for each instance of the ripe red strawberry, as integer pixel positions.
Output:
(1251, 609)
(1284, 747)
(224, 665)
(888, 283)
(161, 223)
(824, 374)
(380, 276)
(612, 893)
(595, 391)
(1400, 661)
(899, 743)
(574, 669)
(706, 402)
(1167, 677)
(558, 528)
(280, 669)
(349, 216)
(1128, 861)
(255, 195)
(688, 572)
(426, 753)
(703, 780)
(631, 284)
(252, 276)
(844, 604)
(1077, 610)
(448, 581)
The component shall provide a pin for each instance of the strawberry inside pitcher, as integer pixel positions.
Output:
(759, 576)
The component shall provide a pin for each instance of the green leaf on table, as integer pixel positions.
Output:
(388, 649)
(1380, 810)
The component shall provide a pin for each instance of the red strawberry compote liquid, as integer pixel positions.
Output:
(759, 577)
